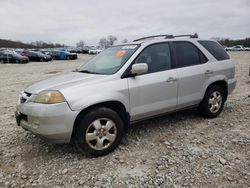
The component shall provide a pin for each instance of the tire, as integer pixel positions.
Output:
(41, 60)
(93, 128)
(213, 102)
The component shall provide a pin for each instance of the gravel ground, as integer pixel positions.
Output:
(176, 150)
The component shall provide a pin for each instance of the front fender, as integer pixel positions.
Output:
(94, 99)
(80, 97)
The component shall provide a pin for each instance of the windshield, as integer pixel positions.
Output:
(110, 60)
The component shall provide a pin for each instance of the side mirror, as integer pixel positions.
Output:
(140, 68)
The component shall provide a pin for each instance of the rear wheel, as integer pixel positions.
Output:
(98, 132)
(213, 102)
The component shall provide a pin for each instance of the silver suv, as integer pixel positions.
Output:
(95, 105)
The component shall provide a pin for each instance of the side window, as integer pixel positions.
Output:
(157, 57)
(187, 54)
(215, 49)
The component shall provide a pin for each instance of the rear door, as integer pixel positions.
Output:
(190, 65)
(155, 92)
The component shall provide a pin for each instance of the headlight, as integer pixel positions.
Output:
(48, 97)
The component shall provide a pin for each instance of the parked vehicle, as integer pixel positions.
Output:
(6, 57)
(95, 105)
(94, 50)
(62, 55)
(236, 48)
(36, 56)
(85, 50)
(247, 49)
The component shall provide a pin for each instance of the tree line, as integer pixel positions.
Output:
(104, 42)
(4, 43)
(229, 42)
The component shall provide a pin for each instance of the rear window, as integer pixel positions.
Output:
(187, 54)
(215, 49)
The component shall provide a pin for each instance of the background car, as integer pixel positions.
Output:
(247, 49)
(36, 56)
(6, 57)
(85, 50)
(94, 50)
(62, 55)
(236, 48)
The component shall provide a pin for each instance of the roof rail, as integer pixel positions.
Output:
(191, 36)
(154, 36)
(167, 36)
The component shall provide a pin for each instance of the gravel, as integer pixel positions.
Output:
(177, 150)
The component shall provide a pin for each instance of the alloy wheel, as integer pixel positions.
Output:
(215, 102)
(101, 133)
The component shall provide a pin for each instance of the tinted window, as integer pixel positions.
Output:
(215, 49)
(157, 57)
(203, 58)
(187, 54)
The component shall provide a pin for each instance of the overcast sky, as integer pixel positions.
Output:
(68, 21)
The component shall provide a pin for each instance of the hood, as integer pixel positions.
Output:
(64, 81)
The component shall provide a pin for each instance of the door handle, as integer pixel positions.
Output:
(171, 79)
(209, 72)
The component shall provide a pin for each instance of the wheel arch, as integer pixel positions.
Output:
(221, 83)
(117, 106)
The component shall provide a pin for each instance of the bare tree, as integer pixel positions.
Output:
(111, 39)
(103, 43)
(107, 42)
(80, 44)
(125, 41)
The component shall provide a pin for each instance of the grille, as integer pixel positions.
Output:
(24, 97)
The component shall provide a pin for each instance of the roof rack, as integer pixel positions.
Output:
(167, 36)
(154, 36)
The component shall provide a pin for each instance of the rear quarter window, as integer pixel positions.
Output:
(215, 49)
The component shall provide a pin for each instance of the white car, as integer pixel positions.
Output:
(94, 50)
(247, 49)
(237, 48)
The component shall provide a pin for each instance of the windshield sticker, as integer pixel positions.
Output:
(129, 47)
(120, 53)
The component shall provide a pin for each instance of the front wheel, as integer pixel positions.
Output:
(98, 132)
(213, 102)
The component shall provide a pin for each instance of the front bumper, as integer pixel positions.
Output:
(52, 122)
(231, 83)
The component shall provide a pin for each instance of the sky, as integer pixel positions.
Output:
(69, 21)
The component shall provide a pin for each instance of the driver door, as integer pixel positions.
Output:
(155, 92)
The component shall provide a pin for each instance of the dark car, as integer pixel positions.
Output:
(85, 49)
(6, 57)
(62, 55)
(36, 56)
